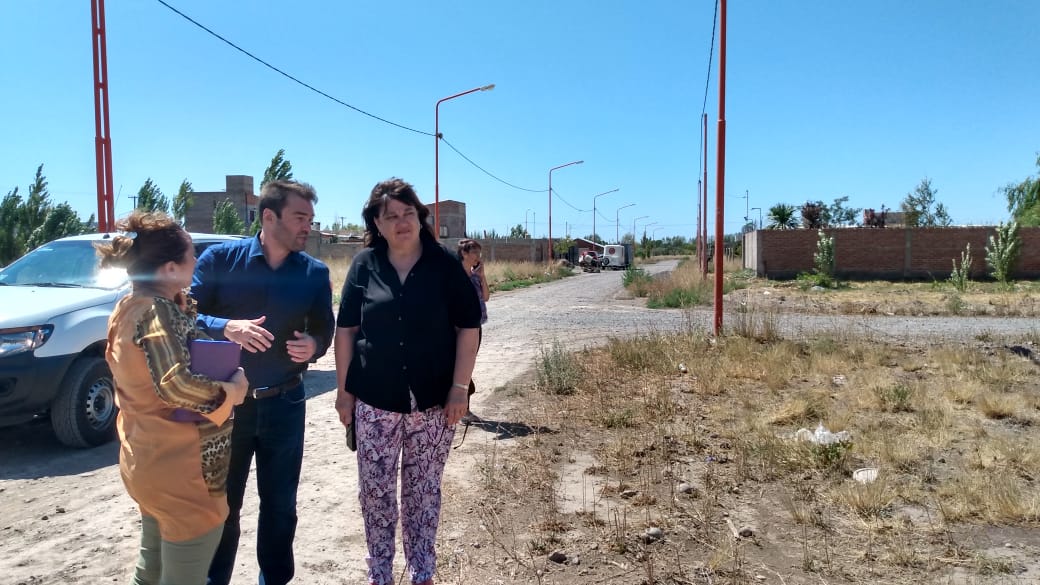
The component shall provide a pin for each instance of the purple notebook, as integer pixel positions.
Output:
(215, 359)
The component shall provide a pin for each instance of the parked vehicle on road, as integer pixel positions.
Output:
(590, 261)
(54, 308)
(617, 256)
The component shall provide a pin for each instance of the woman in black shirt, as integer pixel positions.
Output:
(406, 342)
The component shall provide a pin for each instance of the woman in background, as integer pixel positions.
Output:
(173, 425)
(470, 256)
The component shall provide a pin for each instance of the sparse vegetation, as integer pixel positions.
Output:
(558, 371)
(944, 425)
(960, 277)
(685, 286)
(1003, 250)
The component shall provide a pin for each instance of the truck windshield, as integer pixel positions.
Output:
(62, 264)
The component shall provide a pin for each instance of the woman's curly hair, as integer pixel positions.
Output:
(146, 241)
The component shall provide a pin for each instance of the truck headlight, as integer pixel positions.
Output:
(21, 339)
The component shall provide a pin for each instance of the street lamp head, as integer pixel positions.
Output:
(488, 87)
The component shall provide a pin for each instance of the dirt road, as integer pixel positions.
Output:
(65, 518)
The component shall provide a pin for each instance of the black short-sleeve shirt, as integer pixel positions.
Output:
(406, 339)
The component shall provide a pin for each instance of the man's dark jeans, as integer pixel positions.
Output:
(272, 429)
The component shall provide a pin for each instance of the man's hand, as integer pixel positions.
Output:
(249, 334)
(302, 348)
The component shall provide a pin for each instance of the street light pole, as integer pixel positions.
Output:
(617, 223)
(594, 234)
(759, 209)
(576, 162)
(526, 228)
(634, 227)
(437, 154)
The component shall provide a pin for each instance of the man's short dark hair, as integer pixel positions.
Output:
(274, 195)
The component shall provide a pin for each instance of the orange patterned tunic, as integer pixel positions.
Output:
(175, 471)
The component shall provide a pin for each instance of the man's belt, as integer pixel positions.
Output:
(261, 392)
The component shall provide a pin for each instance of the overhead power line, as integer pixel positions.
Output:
(339, 101)
(486, 172)
(283, 73)
(557, 192)
(711, 56)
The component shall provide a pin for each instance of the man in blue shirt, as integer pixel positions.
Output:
(275, 301)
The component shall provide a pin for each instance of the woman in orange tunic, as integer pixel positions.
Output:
(173, 424)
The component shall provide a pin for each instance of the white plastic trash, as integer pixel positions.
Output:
(865, 475)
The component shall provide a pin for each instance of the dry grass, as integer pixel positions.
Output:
(903, 298)
(949, 428)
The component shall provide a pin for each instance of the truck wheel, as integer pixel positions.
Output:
(606, 261)
(84, 413)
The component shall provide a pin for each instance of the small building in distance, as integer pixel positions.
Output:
(452, 216)
(238, 188)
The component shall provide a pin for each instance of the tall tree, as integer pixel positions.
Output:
(1024, 199)
(518, 231)
(280, 169)
(781, 217)
(918, 210)
(11, 245)
(36, 205)
(183, 201)
(226, 219)
(151, 198)
(61, 221)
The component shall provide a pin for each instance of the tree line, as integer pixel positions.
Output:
(35, 219)
(27, 222)
(920, 208)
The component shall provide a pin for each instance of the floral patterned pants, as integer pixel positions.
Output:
(422, 441)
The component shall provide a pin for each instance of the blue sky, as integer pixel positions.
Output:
(824, 99)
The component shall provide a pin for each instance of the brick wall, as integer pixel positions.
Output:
(884, 253)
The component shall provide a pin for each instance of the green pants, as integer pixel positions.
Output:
(173, 563)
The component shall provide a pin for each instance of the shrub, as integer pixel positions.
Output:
(558, 371)
(823, 265)
(1002, 250)
(823, 259)
(961, 275)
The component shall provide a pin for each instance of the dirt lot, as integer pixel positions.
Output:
(64, 517)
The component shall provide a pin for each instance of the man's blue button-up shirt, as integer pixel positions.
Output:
(234, 281)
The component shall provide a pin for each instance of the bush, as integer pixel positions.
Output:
(1002, 251)
(637, 281)
(823, 259)
(558, 371)
(961, 275)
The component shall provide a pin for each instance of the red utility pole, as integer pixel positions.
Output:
(720, 180)
(106, 216)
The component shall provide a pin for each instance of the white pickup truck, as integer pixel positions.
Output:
(54, 308)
